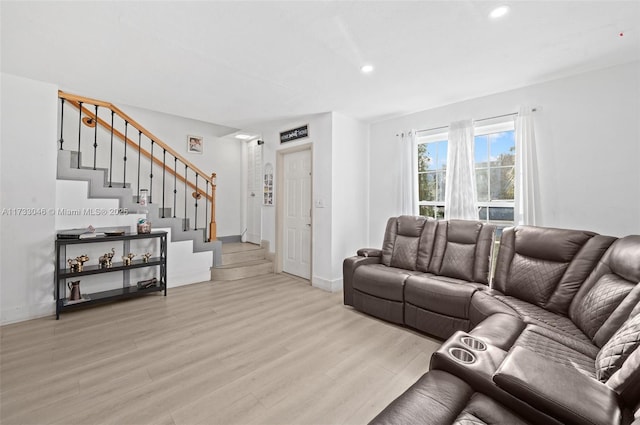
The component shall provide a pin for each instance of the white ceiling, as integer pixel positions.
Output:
(244, 62)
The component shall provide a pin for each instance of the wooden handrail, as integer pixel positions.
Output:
(75, 100)
(134, 123)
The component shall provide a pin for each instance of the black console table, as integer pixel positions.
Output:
(62, 273)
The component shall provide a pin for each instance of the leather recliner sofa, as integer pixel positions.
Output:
(425, 274)
(552, 341)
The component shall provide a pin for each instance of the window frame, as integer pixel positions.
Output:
(492, 127)
(487, 127)
(429, 137)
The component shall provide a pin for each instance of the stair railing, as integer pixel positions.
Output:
(92, 120)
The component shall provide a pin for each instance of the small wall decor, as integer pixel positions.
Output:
(268, 185)
(195, 144)
(294, 134)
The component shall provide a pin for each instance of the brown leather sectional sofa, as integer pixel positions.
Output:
(552, 339)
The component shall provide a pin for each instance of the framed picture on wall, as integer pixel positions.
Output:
(195, 144)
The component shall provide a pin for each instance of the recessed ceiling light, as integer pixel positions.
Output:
(366, 69)
(243, 136)
(499, 12)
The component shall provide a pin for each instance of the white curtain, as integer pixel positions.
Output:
(408, 176)
(526, 187)
(461, 199)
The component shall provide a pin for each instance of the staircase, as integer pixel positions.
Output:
(99, 189)
(241, 260)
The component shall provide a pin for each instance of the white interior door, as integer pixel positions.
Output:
(254, 191)
(297, 217)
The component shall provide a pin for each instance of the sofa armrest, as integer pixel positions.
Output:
(369, 252)
(349, 266)
(556, 390)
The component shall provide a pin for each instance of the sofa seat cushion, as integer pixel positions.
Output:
(533, 314)
(450, 297)
(534, 340)
(382, 281)
(436, 398)
(482, 410)
(439, 398)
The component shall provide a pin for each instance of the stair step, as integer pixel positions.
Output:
(237, 252)
(242, 270)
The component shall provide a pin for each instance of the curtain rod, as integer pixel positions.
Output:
(475, 121)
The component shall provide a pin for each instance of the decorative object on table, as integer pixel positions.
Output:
(195, 144)
(144, 226)
(126, 259)
(81, 259)
(143, 284)
(145, 257)
(73, 265)
(76, 264)
(74, 287)
(105, 260)
(114, 233)
(143, 197)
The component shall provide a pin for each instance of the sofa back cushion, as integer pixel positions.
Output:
(401, 240)
(616, 351)
(462, 250)
(626, 379)
(546, 266)
(426, 244)
(607, 297)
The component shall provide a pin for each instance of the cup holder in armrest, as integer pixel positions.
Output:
(462, 355)
(473, 343)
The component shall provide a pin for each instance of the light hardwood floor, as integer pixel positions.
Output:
(262, 350)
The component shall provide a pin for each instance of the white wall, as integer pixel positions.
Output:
(28, 180)
(588, 141)
(350, 197)
(339, 176)
(320, 141)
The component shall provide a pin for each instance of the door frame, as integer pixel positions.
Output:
(279, 187)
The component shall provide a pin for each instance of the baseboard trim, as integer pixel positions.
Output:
(334, 285)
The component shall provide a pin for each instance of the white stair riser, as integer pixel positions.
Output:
(242, 272)
(242, 256)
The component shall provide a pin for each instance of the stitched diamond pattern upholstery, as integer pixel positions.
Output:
(600, 302)
(541, 317)
(405, 252)
(457, 261)
(624, 342)
(534, 280)
(556, 351)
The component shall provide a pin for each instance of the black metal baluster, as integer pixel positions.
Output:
(175, 178)
(111, 153)
(79, 130)
(151, 175)
(124, 175)
(195, 221)
(61, 141)
(139, 147)
(184, 226)
(95, 138)
(164, 173)
(206, 210)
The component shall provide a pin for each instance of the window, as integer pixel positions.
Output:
(495, 148)
(432, 165)
(495, 172)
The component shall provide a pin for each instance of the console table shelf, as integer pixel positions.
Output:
(62, 274)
